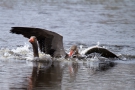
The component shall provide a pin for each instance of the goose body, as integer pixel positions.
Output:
(52, 43)
(49, 42)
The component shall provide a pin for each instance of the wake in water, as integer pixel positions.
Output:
(25, 53)
(93, 61)
(20, 53)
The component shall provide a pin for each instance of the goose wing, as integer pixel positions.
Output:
(49, 42)
(104, 52)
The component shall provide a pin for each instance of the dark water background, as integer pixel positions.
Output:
(81, 22)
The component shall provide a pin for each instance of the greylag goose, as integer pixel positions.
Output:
(52, 43)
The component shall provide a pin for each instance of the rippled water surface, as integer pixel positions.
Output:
(111, 23)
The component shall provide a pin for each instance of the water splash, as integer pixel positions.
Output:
(94, 62)
(23, 49)
(98, 43)
(19, 53)
(22, 53)
(25, 53)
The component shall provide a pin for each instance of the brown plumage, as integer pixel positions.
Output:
(104, 52)
(52, 43)
(49, 42)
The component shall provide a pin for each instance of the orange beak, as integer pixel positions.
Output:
(71, 53)
(31, 40)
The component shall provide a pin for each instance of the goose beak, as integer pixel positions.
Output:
(71, 53)
(73, 50)
(31, 40)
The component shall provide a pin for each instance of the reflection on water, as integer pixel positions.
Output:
(48, 75)
(43, 77)
(51, 78)
(65, 75)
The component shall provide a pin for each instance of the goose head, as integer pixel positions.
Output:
(33, 41)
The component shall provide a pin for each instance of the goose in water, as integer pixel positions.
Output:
(52, 43)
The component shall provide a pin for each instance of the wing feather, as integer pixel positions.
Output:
(104, 52)
(49, 41)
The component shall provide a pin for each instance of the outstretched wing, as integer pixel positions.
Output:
(104, 52)
(49, 42)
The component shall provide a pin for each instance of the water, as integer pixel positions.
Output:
(109, 23)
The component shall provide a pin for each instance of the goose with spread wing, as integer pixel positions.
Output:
(52, 43)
